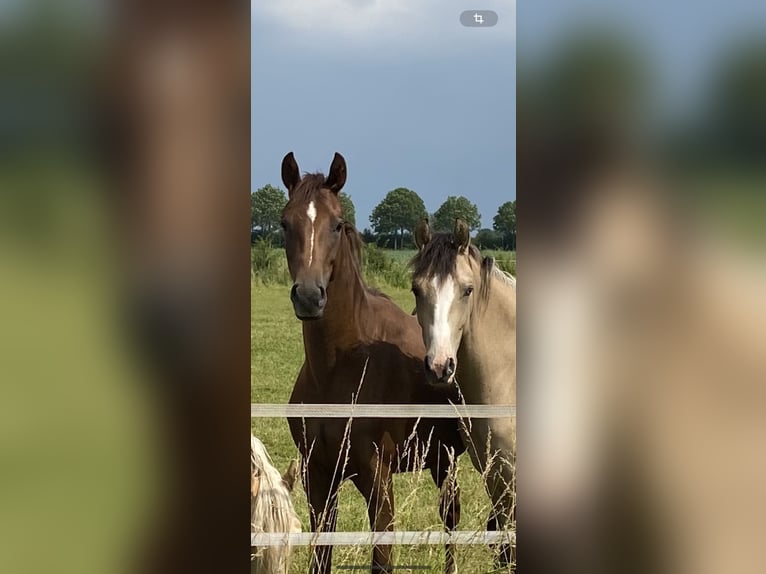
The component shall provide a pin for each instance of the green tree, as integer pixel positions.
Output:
(593, 87)
(349, 212)
(451, 209)
(266, 205)
(368, 235)
(488, 239)
(739, 102)
(399, 211)
(505, 223)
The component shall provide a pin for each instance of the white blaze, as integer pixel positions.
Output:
(312, 213)
(440, 330)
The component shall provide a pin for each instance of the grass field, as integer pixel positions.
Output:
(382, 268)
(276, 357)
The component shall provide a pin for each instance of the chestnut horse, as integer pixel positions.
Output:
(466, 307)
(359, 347)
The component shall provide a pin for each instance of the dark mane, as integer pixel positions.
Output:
(356, 247)
(355, 242)
(439, 256)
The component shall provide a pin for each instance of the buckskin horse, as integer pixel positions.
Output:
(466, 307)
(360, 347)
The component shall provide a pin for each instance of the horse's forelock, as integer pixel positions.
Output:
(309, 184)
(438, 258)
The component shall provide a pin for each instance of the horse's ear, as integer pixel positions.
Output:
(337, 177)
(290, 475)
(290, 174)
(422, 233)
(462, 235)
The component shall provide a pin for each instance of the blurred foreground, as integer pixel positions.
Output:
(124, 293)
(642, 407)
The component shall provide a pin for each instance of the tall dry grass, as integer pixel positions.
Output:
(417, 495)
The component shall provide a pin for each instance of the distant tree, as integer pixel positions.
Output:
(739, 102)
(488, 239)
(368, 235)
(451, 209)
(399, 211)
(505, 223)
(349, 212)
(266, 205)
(594, 86)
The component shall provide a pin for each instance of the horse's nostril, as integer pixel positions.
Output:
(294, 291)
(450, 368)
(322, 292)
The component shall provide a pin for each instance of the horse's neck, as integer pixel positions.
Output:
(340, 327)
(488, 348)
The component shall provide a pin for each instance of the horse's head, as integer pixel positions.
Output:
(313, 224)
(446, 272)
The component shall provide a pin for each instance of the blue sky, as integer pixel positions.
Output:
(413, 99)
(409, 97)
(681, 40)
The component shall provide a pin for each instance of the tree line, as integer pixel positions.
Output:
(393, 219)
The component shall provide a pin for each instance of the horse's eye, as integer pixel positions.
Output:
(468, 291)
(283, 224)
(339, 227)
(416, 291)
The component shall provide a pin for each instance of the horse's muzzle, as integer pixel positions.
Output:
(308, 301)
(439, 373)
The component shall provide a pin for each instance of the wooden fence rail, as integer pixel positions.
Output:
(423, 537)
(343, 411)
(378, 411)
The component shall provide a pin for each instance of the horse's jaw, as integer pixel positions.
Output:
(311, 318)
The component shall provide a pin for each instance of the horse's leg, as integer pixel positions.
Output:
(377, 488)
(501, 490)
(322, 495)
(449, 505)
(498, 471)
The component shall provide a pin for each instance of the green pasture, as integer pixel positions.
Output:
(383, 268)
(276, 357)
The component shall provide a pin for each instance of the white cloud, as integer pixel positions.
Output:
(349, 17)
(369, 22)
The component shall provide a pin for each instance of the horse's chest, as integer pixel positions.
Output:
(326, 436)
(364, 375)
